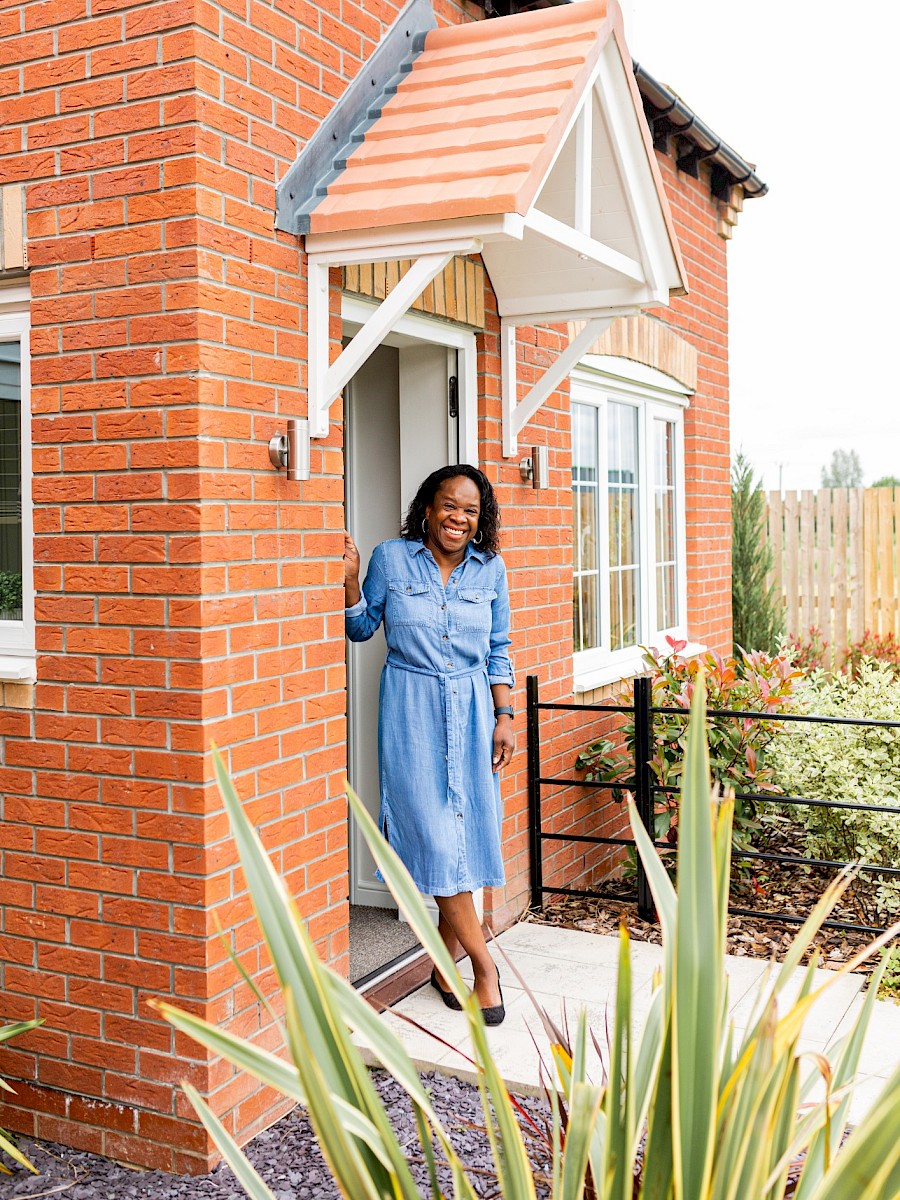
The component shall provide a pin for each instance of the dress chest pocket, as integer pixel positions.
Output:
(473, 608)
(409, 602)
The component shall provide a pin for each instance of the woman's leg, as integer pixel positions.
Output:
(458, 914)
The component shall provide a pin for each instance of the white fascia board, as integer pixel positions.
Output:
(465, 236)
(551, 310)
(584, 246)
(648, 219)
(355, 312)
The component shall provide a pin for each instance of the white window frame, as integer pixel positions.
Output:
(17, 645)
(599, 380)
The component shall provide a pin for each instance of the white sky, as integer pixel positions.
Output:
(809, 91)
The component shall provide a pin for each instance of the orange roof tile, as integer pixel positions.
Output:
(474, 126)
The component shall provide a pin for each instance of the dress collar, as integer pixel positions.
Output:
(417, 546)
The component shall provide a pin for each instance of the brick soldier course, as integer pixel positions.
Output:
(185, 592)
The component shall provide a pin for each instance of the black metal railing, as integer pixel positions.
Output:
(645, 790)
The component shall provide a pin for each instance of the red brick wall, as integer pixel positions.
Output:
(185, 591)
(702, 318)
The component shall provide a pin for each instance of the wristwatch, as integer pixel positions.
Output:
(504, 711)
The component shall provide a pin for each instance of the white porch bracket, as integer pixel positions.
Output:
(328, 380)
(516, 415)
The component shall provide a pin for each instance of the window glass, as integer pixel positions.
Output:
(664, 514)
(624, 532)
(585, 506)
(10, 482)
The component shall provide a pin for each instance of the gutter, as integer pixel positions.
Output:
(669, 117)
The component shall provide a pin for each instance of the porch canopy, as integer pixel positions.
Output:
(521, 138)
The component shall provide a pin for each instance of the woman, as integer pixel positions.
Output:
(445, 722)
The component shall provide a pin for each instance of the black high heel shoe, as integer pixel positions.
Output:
(448, 998)
(496, 1014)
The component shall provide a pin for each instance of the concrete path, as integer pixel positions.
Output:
(568, 969)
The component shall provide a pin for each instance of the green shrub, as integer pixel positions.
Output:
(849, 764)
(884, 648)
(808, 652)
(10, 591)
(688, 1108)
(738, 748)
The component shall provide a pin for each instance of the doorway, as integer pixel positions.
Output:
(404, 417)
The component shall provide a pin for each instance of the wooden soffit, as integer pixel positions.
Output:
(457, 293)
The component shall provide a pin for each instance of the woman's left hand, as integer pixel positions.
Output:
(504, 743)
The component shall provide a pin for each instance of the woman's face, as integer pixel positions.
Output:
(453, 515)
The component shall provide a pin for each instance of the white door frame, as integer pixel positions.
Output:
(414, 330)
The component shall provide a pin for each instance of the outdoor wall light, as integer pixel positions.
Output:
(291, 449)
(537, 467)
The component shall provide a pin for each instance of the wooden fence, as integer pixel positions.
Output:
(837, 562)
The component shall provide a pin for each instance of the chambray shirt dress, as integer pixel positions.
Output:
(440, 799)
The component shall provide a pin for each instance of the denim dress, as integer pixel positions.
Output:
(440, 799)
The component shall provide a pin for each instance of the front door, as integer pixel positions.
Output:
(399, 428)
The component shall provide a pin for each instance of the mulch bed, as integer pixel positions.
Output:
(767, 888)
(286, 1156)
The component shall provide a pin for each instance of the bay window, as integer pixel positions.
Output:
(628, 519)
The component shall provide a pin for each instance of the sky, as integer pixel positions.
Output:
(809, 92)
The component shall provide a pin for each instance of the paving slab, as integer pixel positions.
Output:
(569, 970)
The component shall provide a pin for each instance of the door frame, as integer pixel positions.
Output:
(415, 330)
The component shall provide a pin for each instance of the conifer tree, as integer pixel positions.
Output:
(756, 611)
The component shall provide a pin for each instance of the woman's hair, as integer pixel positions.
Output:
(488, 521)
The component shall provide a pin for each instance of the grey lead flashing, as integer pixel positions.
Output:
(669, 116)
(325, 154)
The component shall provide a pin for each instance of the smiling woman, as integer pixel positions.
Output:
(444, 725)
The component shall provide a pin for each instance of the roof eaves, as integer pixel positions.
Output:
(324, 156)
(668, 116)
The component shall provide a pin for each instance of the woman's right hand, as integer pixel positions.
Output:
(351, 559)
(351, 571)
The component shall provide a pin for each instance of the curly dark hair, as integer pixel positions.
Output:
(488, 521)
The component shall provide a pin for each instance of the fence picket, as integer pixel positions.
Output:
(823, 566)
(807, 560)
(840, 624)
(791, 564)
(836, 562)
(857, 566)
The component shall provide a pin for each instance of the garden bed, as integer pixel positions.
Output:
(769, 888)
(286, 1156)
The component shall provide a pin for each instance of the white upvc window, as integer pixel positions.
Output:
(17, 651)
(630, 583)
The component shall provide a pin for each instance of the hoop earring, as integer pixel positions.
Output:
(478, 538)
(424, 528)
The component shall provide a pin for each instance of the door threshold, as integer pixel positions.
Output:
(401, 964)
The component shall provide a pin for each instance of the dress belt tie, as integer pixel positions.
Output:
(460, 674)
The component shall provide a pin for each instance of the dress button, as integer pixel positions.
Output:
(449, 664)
(443, 606)
(445, 637)
(459, 816)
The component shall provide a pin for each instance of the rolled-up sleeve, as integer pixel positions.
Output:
(499, 666)
(363, 618)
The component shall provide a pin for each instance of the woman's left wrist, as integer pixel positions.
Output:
(503, 710)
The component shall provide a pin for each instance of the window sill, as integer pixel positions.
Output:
(622, 669)
(18, 668)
